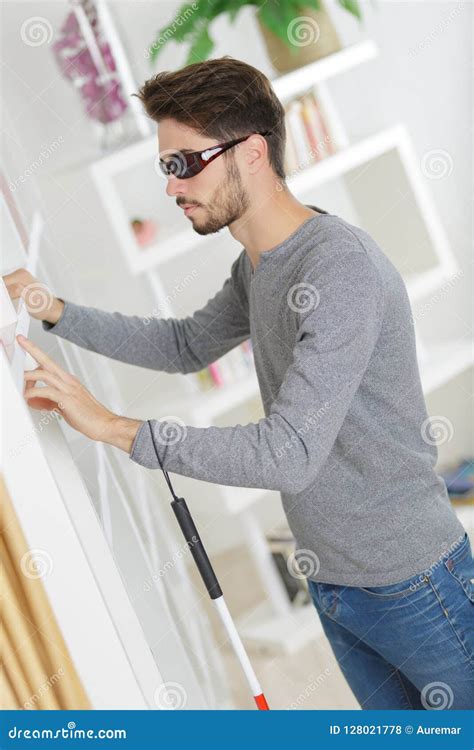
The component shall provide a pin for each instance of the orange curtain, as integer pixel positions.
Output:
(36, 668)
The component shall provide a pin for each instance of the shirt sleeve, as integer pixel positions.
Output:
(286, 449)
(170, 345)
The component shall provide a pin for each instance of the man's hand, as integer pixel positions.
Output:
(63, 392)
(39, 300)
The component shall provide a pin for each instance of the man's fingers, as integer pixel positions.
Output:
(42, 404)
(47, 377)
(16, 281)
(42, 358)
(45, 392)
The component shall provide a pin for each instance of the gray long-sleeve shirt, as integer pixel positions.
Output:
(345, 437)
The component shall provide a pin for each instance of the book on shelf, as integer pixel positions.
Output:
(232, 367)
(307, 133)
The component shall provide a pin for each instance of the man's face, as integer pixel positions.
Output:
(216, 197)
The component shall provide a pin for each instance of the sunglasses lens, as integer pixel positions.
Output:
(175, 165)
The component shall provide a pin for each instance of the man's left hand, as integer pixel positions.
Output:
(66, 394)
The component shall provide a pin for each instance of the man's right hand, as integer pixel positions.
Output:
(39, 300)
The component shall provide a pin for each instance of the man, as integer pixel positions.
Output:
(345, 437)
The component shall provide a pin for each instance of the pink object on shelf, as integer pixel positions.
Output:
(144, 230)
(91, 67)
(216, 374)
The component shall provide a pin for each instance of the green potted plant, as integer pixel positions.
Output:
(296, 32)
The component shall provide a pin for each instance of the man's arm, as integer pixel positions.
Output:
(171, 345)
(285, 450)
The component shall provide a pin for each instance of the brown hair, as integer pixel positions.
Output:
(222, 98)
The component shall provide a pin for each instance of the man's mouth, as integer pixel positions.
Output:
(189, 208)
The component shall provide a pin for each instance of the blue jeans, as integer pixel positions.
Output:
(408, 645)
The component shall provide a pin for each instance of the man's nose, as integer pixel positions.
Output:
(175, 186)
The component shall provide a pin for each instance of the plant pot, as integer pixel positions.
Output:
(311, 36)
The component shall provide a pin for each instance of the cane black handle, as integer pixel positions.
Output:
(191, 534)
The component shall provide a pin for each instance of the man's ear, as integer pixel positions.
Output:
(256, 153)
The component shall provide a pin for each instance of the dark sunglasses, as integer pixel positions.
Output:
(185, 165)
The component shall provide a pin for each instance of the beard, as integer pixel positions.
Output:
(227, 204)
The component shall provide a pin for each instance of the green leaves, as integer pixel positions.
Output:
(278, 15)
(191, 23)
(201, 47)
(352, 6)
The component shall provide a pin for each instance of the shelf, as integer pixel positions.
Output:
(343, 161)
(263, 630)
(159, 253)
(142, 259)
(238, 499)
(225, 398)
(465, 513)
(294, 83)
(422, 284)
(331, 168)
(444, 362)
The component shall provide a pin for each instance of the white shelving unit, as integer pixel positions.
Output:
(382, 177)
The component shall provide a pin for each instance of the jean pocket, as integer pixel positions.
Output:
(397, 590)
(460, 565)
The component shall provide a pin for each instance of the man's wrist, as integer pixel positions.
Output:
(121, 432)
(53, 314)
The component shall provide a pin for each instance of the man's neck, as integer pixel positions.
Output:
(268, 223)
